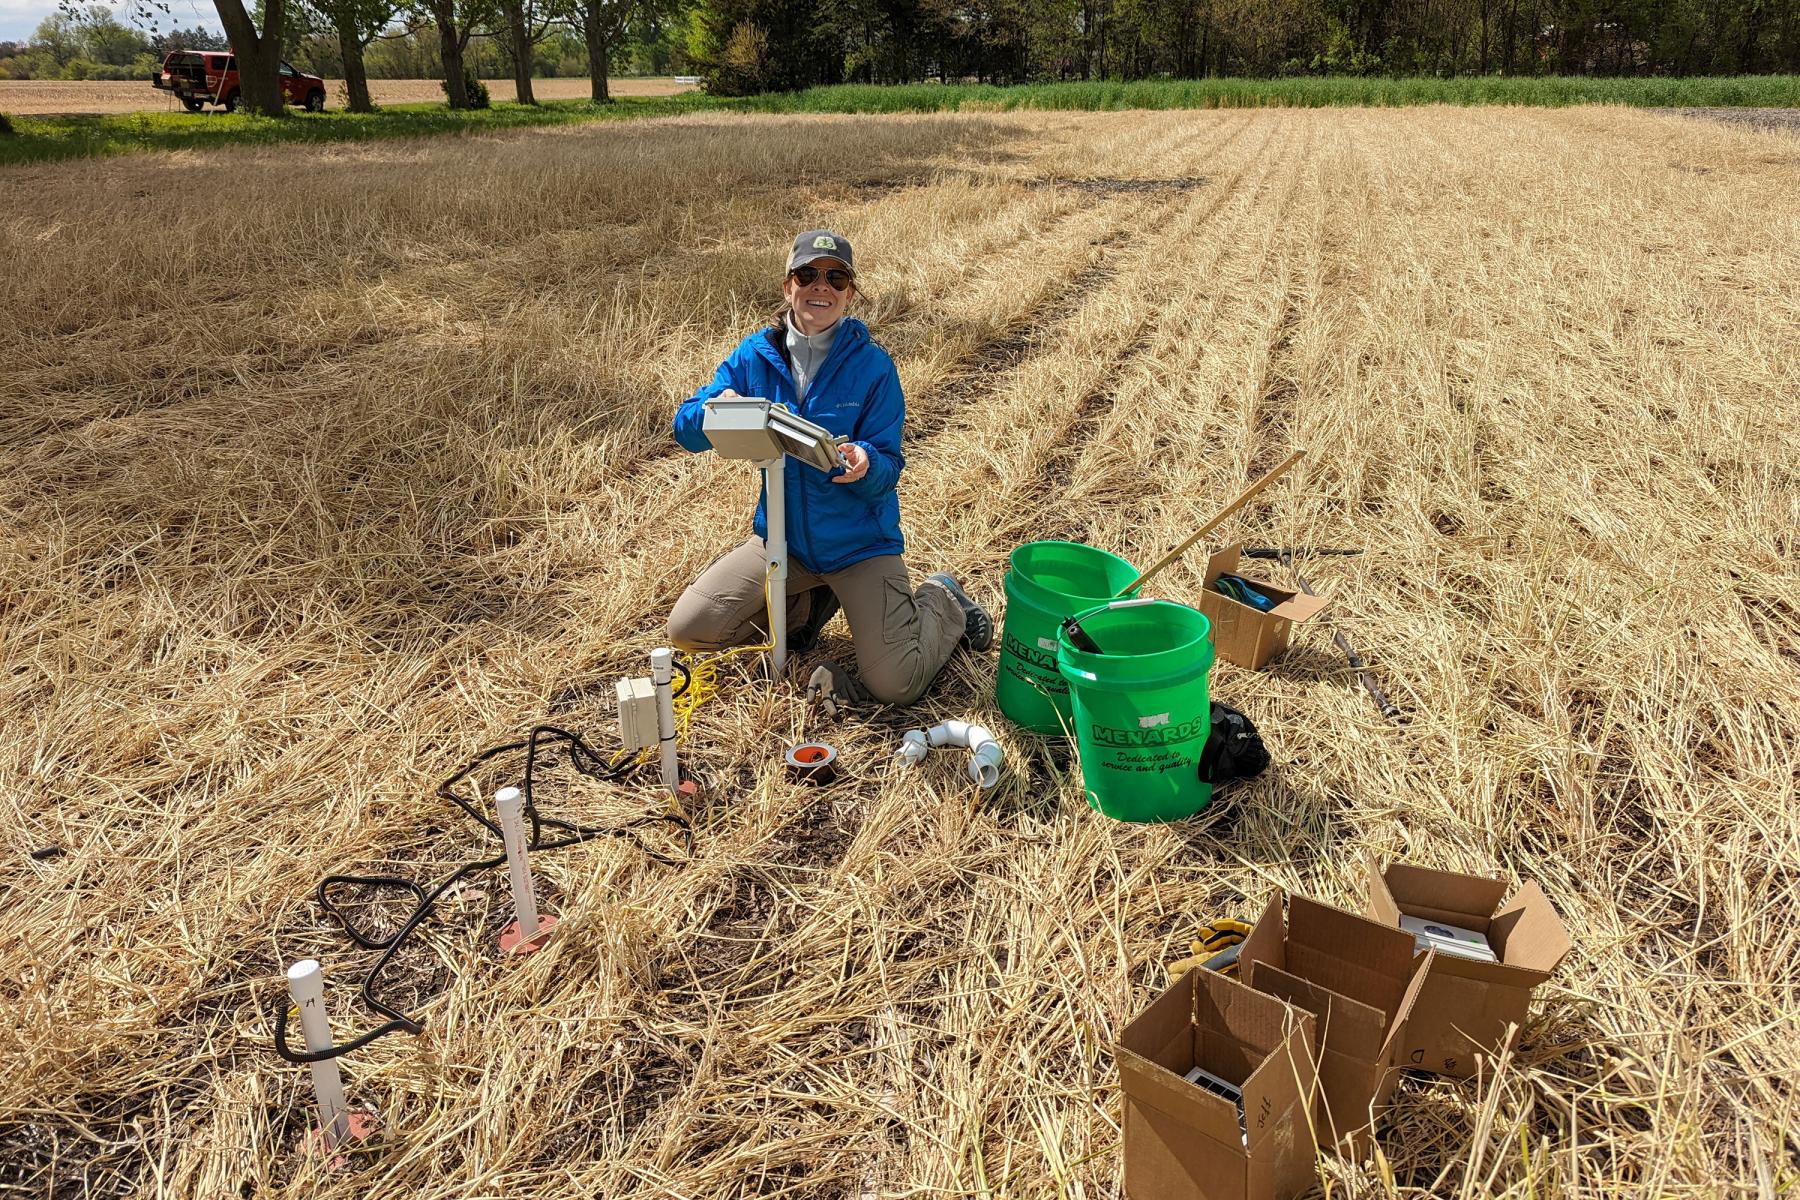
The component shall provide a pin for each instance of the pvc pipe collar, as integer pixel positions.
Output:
(985, 757)
(812, 762)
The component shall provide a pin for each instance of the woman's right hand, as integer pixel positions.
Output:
(728, 394)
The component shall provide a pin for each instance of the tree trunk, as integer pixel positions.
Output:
(356, 76)
(520, 42)
(450, 46)
(258, 58)
(593, 29)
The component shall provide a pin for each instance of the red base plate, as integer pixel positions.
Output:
(511, 943)
(362, 1128)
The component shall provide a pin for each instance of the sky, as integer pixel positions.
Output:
(19, 17)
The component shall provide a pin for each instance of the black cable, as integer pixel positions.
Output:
(583, 758)
(1281, 554)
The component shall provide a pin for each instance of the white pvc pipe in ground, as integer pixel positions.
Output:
(306, 983)
(662, 672)
(985, 754)
(512, 831)
(775, 488)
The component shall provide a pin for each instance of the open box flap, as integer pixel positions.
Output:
(1466, 900)
(1300, 606)
(1353, 955)
(1155, 1051)
(1345, 1026)
(1225, 562)
(1526, 932)
(1156, 1086)
(1267, 939)
(1288, 1077)
(1290, 604)
(1391, 1051)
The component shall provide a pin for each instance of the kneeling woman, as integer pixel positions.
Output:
(844, 541)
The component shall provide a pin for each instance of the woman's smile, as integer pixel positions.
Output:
(816, 304)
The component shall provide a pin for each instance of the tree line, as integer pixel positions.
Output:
(93, 43)
(455, 40)
(754, 45)
(750, 46)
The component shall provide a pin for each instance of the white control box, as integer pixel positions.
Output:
(1448, 939)
(637, 713)
(739, 428)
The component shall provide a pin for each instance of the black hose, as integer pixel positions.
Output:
(1277, 552)
(583, 758)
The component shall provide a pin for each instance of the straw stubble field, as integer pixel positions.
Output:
(359, 462)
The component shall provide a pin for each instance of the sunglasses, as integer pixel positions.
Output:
(838, 278)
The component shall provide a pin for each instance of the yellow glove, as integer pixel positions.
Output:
(1217, 937)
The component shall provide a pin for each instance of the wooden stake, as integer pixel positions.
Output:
(1244, 498)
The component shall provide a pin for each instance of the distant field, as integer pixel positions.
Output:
(33, 97)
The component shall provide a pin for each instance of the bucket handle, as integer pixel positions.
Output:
(1083, 641)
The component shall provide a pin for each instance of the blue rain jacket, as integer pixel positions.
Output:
(856, 394)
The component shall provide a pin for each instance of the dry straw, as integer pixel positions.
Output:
(324, 468)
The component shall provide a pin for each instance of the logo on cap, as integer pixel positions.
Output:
(824, 243)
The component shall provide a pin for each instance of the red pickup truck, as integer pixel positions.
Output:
(202, 77)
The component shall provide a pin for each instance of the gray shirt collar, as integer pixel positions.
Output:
(806, 354)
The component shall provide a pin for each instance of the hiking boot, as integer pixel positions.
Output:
(978, 627)
(824, 607)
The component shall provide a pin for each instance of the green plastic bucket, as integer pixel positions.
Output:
(1046, 584)
(1142, 708)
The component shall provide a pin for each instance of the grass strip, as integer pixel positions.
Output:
(45, 139)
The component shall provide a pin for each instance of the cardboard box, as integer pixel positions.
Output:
(1183, 1142)
(1241, 634)
(1360, 980)
(1470, 1009)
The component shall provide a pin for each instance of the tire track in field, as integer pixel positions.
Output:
(1036, 327)
(1274, 400)
(1096, 409)
(1059, 318)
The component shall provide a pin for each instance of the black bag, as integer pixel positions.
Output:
(1233, 748)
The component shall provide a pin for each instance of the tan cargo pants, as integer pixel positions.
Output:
(903, 637)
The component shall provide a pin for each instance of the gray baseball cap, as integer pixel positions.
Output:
(821, 243)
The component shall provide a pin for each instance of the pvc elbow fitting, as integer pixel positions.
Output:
(984, 764)
(985, 757)
(952, 733)
(913, 748)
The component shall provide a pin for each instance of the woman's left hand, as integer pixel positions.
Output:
(856, 464)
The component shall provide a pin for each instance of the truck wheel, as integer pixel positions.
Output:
(231, 102)
(315, 101)
(192, 105)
